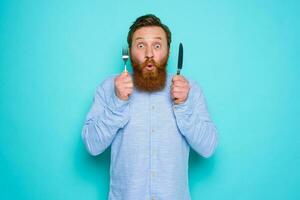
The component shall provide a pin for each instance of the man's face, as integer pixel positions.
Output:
(149, 54)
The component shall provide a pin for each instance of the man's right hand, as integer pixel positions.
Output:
(123, 86)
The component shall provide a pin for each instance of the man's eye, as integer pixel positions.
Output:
(140, 45)
(157, 46)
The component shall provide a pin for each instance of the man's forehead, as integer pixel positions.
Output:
(148, 38)
(149, 33)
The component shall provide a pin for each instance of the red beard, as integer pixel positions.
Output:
(150, 81)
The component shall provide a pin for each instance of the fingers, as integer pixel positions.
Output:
(125, 77)
(178, 78)
(179, 89)
(128, 86)
(177, 101)
(123, 85)
(180, 86)
(124, 74)
(177, 95)
(179, 81)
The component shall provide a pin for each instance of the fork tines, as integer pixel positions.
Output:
(125, 57)
(125, 54)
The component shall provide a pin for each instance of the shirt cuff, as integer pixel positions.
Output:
(118, 104)
(184, 107)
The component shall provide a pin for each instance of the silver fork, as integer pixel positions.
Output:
(125, 57)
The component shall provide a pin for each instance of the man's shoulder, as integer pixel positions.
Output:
(107, 82)
(106, 86)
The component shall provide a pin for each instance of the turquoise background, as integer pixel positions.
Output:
(244, 54)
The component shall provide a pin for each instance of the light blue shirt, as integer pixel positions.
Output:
(150, 140)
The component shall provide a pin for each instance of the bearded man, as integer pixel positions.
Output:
(150, 119)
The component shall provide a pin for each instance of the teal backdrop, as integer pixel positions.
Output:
(244, 54)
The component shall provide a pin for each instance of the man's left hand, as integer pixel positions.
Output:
(179, 89)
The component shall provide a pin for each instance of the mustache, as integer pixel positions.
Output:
(150, 62)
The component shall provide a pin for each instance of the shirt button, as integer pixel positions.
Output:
(153, 173)
(152, 198)
(152, 130)
(153, 107)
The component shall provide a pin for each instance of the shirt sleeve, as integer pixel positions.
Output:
(107, 115)
(194, 122)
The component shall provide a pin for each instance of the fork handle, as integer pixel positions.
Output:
(125, 68)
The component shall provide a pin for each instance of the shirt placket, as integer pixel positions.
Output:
(153, 148)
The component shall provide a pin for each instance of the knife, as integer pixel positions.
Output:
(180, 58)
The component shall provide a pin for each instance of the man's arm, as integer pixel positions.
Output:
(107, 115)
(194, 122)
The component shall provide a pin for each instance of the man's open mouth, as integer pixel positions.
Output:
(150, 67)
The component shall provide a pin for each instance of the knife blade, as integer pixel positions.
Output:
(180, 58)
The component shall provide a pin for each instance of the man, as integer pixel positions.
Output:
(150, 119)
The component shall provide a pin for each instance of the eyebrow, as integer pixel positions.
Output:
(140, 38)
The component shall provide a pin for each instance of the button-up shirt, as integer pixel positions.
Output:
(150, 138)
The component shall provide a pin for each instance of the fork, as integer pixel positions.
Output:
(125, 57)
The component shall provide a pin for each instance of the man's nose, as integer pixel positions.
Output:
(149, 52)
